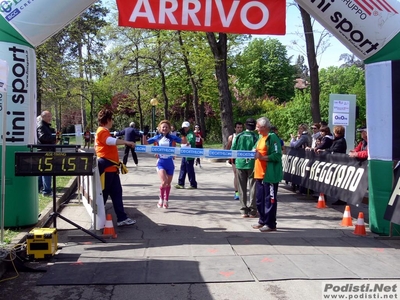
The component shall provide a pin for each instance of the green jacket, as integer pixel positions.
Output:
(244, 141)
(274, 171)
(191, 140)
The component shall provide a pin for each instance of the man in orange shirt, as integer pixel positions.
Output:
(108, 162)
(260, 165)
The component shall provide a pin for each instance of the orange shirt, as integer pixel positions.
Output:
(104, 150)
(261, 165)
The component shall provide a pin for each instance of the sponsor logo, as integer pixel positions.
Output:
(191, 151)
(371, 7)
(157, 149)
(220, 153)
(344, 26)
(245, 154)
(140, 148)
(5, 6)
(14, 13)
(343, 118)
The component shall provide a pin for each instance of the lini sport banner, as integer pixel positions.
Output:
(230, 16)
(392, 212)
(37, 20)
(365, 27)
(336, 175)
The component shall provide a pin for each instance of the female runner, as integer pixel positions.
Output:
(165, 163)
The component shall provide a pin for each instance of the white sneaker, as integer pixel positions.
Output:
(160, 203)
(126, 222)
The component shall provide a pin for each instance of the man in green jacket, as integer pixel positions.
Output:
(267, 200)
(246, 140)
(187, 164)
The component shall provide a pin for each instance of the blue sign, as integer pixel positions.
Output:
(220, 153)
(140, 148)
(162, 150)
(245, 154)
(191, 152)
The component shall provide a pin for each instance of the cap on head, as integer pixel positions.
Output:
(250, 124)
(362, 129)
(185, 124)
(132, 124)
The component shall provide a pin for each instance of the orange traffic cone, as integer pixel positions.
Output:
(360, 226)
(347, 220)
(109, 227)
(321, 201)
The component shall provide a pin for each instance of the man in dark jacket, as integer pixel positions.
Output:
(46, 136)
(131, 135)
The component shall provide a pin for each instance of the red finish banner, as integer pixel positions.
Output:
(230, 16)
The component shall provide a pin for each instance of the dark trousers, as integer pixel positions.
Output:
(45, 184)
(126, 154)
(267, 202)
(187, 168)
(198, 158)
(113, 189)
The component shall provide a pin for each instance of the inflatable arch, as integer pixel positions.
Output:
(370, 29)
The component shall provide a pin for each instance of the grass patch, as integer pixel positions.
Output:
(61, 183)
(213, 145)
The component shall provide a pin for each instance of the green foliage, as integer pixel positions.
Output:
(343, 80)
(334, 80)
(77, 73)
(263, 70)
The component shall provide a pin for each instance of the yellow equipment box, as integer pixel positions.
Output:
(41, 243)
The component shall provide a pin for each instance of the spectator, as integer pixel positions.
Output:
(173, 130)
(46, 135)
(301, 141)
(326, 139)
(303, 138)
(165, 163)
(361, 150)
(199, 141)
(108, 162)
(87, 137)
(131, 135)
(238, 129)
(187, 163)
(271, 153)
(316, 133)
(274, 129)
(339, 145)
(246, 140)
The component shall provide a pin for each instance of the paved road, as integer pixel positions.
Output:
(200, 248)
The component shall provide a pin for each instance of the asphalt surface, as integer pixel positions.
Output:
(201, 248)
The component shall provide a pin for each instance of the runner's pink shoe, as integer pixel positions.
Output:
(165, 204)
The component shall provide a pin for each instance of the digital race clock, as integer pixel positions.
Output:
(53, 163)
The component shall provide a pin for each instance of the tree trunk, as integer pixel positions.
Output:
(139, 98)
(219, 49)
(163, 80)
(191, 80)
(312, 64)
(81, 77)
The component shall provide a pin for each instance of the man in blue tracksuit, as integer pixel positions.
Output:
(131, 135)
(187, 164)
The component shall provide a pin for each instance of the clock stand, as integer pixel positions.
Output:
(52, 163)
